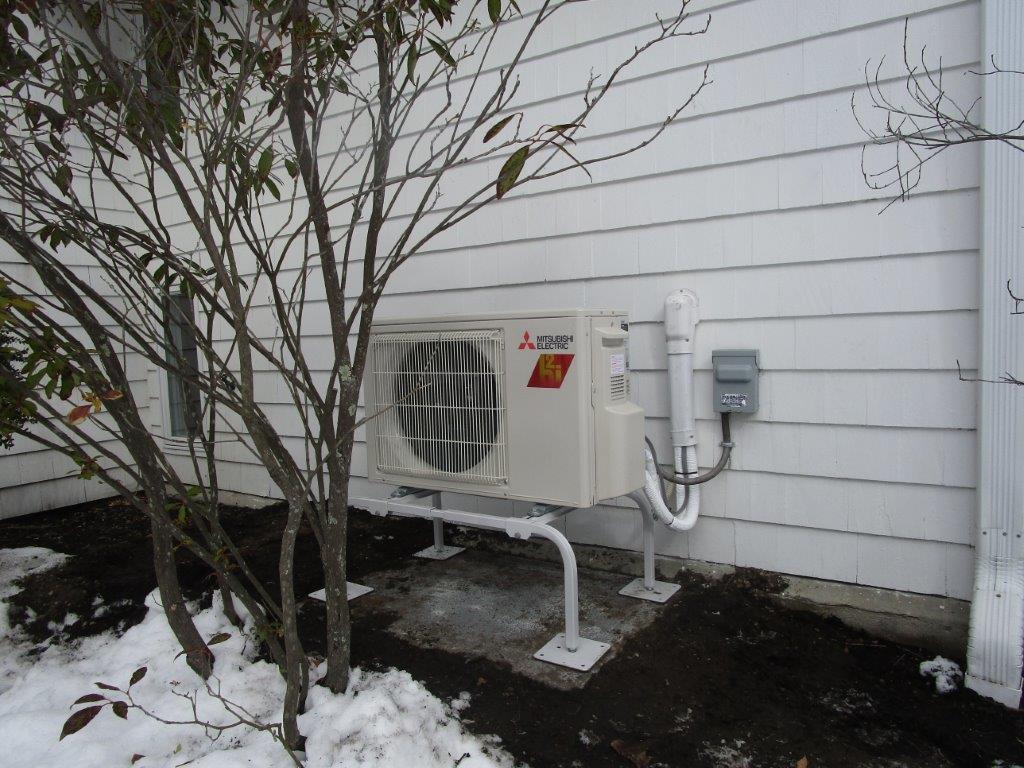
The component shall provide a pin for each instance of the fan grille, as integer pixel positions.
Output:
(439, 399)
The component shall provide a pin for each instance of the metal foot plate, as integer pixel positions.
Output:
(433, 553)
(661, 593)
(353, 591)
(582, 659)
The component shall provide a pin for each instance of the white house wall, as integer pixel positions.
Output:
(34, 478)
(859, 466)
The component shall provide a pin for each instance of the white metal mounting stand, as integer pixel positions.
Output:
(440, 550)
(567, 648)
(647, 588)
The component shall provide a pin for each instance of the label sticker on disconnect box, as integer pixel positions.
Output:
(618, 363)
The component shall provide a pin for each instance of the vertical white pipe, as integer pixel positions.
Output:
(681, 318)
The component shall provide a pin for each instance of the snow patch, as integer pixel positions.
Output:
(588, 738)
(728, 756)
(384, 719)
(462, 702)
(15, 565)
(947, 673)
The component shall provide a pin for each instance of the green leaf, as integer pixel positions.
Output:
(22, 304)
(291, 167)
(265, 161)
(79, 720)
(494, 10)
(495, 129)
(412, 57)
(442, 51)
(94, 15)
(19, 27)
(562, 128)
(62, 178)
(510, 170)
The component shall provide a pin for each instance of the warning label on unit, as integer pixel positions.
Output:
(550, 371)
(618, 364)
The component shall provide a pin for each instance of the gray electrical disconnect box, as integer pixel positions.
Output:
(735, 385)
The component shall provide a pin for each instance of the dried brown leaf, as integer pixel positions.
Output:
(137, 675)
(79, 720)
(635, 753)
(89, 697)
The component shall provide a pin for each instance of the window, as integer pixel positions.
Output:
(182, 395)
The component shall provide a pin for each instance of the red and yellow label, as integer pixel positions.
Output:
(550, 371)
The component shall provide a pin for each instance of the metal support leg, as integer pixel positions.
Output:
(439, 551)
(647, 588)
(567, 648)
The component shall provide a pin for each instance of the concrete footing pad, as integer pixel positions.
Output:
(660, 592)
(586, 655)
(504, 608)
(433, 553)
(352, 591)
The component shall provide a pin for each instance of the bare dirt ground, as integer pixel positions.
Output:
(722, 677)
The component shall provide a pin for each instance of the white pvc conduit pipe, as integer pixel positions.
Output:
(681, 317)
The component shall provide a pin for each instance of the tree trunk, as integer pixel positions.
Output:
(296, 666)
(197, 654)
(335, 561)
(229, 603)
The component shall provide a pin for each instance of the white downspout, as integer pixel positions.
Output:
(681, 317)
(995, 653)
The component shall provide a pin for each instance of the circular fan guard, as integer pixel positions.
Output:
(446, 396)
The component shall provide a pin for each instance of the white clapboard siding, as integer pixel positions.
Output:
(34, 478)
(859, 466)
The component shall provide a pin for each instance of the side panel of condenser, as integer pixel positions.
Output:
(548, 383)
(618, 423)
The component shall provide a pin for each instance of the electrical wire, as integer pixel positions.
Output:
(688, 480)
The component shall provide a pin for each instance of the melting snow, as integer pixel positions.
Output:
(947, 673)
(384, 719)
(728, 756)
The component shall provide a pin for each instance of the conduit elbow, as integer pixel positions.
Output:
(682, 313)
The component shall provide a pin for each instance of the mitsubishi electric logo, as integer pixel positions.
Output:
(550, 370)
(546, 341)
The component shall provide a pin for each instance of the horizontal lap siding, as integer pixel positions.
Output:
(860, 464)
(34, 478)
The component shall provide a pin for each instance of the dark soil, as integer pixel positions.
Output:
(723, 678)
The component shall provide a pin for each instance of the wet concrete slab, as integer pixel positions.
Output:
(502, 607)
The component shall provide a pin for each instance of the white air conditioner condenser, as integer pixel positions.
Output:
(532, 406)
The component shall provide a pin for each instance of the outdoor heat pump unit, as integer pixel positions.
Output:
(526, 406)
(534, 407)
